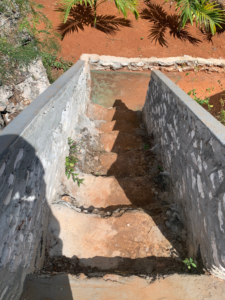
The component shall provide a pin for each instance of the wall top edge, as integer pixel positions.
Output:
(17, 127)
(212, 124)
(107, 58)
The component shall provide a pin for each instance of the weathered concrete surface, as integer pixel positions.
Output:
(192, 147)
(110, 86)
(132, 235)
(115, 221)
(114, 287)
(109, 192)
(32, 152)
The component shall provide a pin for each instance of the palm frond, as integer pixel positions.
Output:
(66, 6)
(125, 5)
(205, 13)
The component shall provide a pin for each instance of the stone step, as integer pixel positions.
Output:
(110, 193)
(119, 125)
(104, 243)
(114, 287)
(97, 112)
(117, 141)
(125, 164)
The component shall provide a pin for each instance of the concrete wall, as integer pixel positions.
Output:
(32, 161)
(192, 146)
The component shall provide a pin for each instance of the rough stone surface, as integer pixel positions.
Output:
(132, 235)
(31, 166)
(192, 147)
(14, 98)
(102, 62)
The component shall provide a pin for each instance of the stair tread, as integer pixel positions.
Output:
(113, 287)
(109, 192)
(132, 235)
(117, 141)
(118, 125)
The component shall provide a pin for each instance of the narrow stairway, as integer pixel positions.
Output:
(121, 220)
(117, 235)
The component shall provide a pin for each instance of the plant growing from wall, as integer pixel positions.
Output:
(122, 6)
(189, 263)
(71, 162)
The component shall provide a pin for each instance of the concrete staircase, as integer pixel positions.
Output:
(117, 235)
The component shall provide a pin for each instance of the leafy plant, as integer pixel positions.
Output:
(146, 147)
(122, 6)
(206, 14)
(160, 169)
(199, 100)
(221, 116)
(24, 42)
(71, 161)
(51, 60)
(189, 263)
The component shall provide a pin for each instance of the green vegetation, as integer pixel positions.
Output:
(160, 169)
(25, 42)
(71, 161)
(53, 61)
(199, 100)
(122, 6)
(189, 263)
(205, 13)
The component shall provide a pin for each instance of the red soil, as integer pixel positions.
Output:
(127, 41)
(154, 34)
(207, 85)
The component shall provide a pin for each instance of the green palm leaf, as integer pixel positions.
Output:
(66, 6)
(205, 13)
(125, 5)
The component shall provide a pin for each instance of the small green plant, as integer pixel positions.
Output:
(199, 100)
(146, 147)
(71, 161)
(187, 74)
(51, 61)
(189, 263)
(160, 169)
(142, 38)
(221, 116)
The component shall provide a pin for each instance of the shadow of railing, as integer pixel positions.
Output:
(161, 21)
(82, 16)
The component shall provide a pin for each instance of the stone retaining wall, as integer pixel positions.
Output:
(171, 64)
(33, 148)
(192, 146)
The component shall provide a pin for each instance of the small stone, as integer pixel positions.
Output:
(116, 66)
(85, 211)
(66, 198)
(95, 211)
(105, 63)
(82, 276)
(111, 277)
(93, 60)
(77, 209)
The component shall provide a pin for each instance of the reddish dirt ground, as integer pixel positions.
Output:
(154, 34)
(207, 85)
